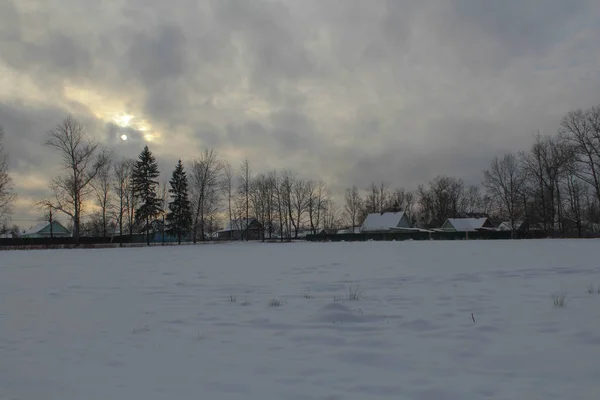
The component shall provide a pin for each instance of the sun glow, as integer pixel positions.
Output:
(123, 120)
(123, 137)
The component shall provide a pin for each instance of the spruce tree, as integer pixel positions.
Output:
(145, 173)
(179, 218)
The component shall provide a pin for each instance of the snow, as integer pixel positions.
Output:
(159, 323)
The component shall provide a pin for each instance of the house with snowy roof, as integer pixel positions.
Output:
(467, 225)
(519, 226)
(242, 229)
(386, 222)
(344, 231)
(46, 230)
(302, 233)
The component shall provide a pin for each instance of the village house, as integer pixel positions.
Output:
(242, 229)
(467, 225)
(46, 230)
(520, 226)
(386, 222)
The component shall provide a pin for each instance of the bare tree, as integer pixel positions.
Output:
(533, 167)
(227, 188)
(577, 195)
(260, 188)
(132, 203)
(384, 194)
(472, 201)
(279, 203)
(427, 207)
(546, 164)
(7, 196)
(504, 181)
(352, 206)
(377, 198)
(122, 172)
(557, 164)
(286, 187)
(487, 204)
(456, 193)
(263, 201)
(582, 130)
(402, 200)
(371, 203)
(442, 200)
(332, 216)
(82, 160)
(206, 185)
(299, 203)
(317, 195)
(272, 202)
(102, 186)
(163, 202)
(244, 190)
(239, 211)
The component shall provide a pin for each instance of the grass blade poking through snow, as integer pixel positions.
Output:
(354, 293)
(275, 303)
(590, 289)
(559, 300)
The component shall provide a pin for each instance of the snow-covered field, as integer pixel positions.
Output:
(200, 322)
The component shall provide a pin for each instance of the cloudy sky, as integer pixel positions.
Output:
(344, 90)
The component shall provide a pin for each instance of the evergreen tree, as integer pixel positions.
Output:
(179, 218)
(145, 173)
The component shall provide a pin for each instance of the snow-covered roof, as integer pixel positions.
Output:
(43, 229)
(506, 225)
(382, 221)
(467, 224)
(37, 228)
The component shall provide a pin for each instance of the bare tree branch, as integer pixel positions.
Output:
(7, 195)
(82, 160)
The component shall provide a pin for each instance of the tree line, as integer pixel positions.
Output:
(554, 186)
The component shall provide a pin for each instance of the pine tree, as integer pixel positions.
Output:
(144, 183)
(179, 218)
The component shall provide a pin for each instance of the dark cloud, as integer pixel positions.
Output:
(522, 26)
(50, 56)
(26, 126)
(159, 55)
(345, 90)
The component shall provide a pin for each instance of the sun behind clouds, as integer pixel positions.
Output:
(123, 120)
